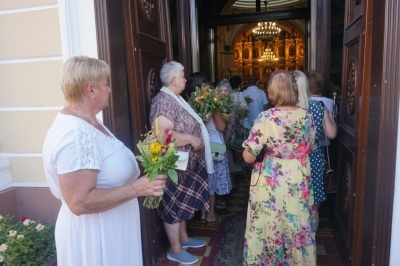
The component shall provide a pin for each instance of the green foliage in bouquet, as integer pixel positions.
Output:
(227, 103)
(25, 243)
(248, 99)
(204, 101)
(241, 112)
(158, 156)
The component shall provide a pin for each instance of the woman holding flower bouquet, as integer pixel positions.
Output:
(219, 182)
(169, 111)
(93, 174)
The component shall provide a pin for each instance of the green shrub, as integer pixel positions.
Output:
(25, 243)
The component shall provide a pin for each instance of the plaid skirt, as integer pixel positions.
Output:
(181, 201)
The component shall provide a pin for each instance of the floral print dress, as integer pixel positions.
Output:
(280, 227)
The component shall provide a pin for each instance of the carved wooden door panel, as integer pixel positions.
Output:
(353, 126)
(147, 37)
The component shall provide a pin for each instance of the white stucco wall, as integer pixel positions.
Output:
(78, 28)
(36, 37)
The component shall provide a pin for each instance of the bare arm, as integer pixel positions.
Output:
(219, 121)
(329, 124)
(82, 196)
(248, 157)
(183, 138)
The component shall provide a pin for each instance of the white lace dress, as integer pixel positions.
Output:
(108, 238)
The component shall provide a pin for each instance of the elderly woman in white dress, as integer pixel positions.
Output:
(94, 175)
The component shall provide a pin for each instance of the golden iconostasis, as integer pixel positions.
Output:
(260, 57)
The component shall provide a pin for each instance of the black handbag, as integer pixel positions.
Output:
(331, 185)
(236, 138)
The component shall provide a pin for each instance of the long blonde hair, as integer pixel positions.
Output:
(302, 85)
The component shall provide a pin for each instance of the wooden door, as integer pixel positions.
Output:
(353, 127)
(147, 42)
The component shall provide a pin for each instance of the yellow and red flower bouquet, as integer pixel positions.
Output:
(204, 101)
(158, 156)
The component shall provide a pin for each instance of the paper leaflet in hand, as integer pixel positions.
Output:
(183, 160)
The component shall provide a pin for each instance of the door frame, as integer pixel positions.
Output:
(375, 223)
(117, 40)
(381, 149)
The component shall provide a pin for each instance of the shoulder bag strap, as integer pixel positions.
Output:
(327, 149)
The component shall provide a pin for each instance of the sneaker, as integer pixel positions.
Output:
(182, 257)
(193, 243)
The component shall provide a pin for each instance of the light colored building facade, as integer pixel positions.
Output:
(36, 37)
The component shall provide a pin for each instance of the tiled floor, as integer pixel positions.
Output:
(330, 245)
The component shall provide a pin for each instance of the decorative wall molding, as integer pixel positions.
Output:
(5, 174)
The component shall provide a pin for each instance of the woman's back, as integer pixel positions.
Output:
(280, 194)
(285, 133)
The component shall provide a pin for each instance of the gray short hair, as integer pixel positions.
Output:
(170, 70)
(224, 83)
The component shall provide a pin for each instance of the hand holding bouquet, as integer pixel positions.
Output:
(158, 156)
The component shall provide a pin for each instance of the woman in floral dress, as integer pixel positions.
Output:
(280, 220)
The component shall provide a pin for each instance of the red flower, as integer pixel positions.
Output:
(305, 190)
(168, 140)
(303, 148)
(271, 181)
(23, 219)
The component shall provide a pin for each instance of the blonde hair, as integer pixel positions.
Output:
(302, 85)
(77, 73)
(282, 89)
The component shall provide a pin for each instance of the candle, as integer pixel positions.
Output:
(157, 127)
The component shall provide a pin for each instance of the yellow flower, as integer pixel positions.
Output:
(215, 99)
(155, 147)
(154, 159)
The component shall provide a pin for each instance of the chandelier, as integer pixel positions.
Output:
(266, 31)
(268, 56)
